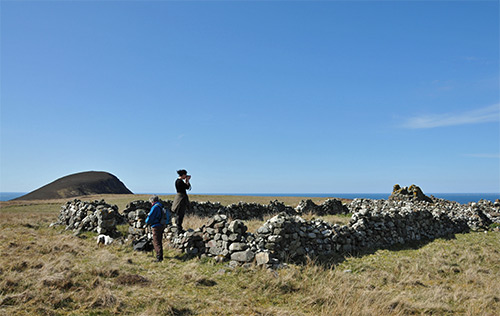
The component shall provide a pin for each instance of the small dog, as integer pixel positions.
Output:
(104, 240)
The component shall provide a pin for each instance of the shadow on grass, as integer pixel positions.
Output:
(336, 259)
(184, 257)
(182, 312)
(328, 261)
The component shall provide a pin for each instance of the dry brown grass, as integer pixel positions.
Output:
(194, 221)
(45, 271)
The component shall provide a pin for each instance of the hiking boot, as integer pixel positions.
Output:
(158, 259)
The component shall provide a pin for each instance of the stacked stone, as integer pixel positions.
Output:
(291, 238)
(136, 213)
(328, 207)
(332, 207)
(438, 219)
(190, 242)
(491, 209)
(205, 209)
(374, 224)
(357, 204)
(399, 222)
(219, 238)
(246, 211)
(107, 219)
(288, 238)
(476, 216)
(306, 206)
(275, 207)
(96, 216)
(241, 210)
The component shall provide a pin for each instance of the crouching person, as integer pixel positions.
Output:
(154, 220)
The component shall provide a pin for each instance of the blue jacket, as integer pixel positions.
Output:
(154, 216)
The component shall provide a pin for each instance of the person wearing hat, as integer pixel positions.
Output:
(181, 200)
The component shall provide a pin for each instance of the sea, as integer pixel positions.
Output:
(462, 198)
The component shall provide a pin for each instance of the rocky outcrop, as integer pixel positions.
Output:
(411, 193)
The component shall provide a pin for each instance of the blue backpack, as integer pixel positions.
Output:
(165, 217)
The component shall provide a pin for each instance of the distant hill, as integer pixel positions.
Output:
(84, 183)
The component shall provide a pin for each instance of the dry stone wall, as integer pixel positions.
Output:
(219, 238)
(374, 224)
(491, 209)
(328, 207)
(287, 237)
(96, 216)
(136, 211)
(241, 210)
(477, 214)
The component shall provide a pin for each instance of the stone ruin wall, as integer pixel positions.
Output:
(374, 224)
(248, 211)
(137, 211)
(412, 193)
(94, 216)
(287, 237)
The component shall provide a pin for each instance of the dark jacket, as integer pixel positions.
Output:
(181, 186)
(154, 216)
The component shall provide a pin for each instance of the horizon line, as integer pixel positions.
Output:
(274, 194)
(264, 194)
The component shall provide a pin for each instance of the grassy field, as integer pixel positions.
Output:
(47, 271)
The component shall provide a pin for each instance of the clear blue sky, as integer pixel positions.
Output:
(252, 97)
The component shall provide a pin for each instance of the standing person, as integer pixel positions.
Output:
(154, 220)
(181, 201)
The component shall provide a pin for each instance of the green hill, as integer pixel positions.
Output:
(78, 184)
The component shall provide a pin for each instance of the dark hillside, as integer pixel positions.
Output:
(78, 184)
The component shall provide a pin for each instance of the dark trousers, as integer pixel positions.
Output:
(180, 218)
(157, 240)
(179, 207)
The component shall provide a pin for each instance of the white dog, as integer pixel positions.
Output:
(104, 240)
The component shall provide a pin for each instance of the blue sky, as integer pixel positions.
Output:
(252, 97)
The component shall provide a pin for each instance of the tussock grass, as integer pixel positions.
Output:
(193, 221)
(47, 271)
